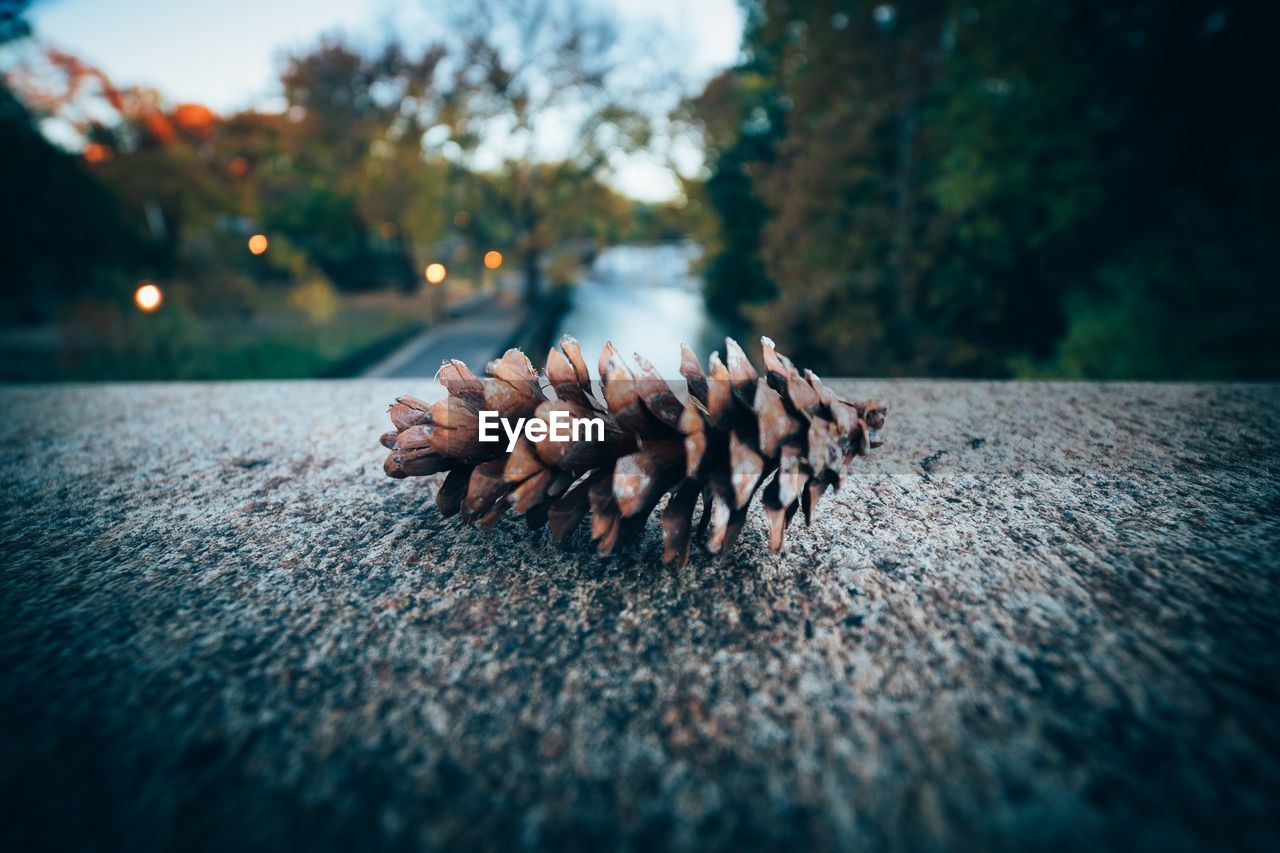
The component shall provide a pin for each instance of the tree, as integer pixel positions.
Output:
(354, 139)
(740, 120)
(62, 233)
(990, 187)
(153, 154)
(13, 25)
(528, 70)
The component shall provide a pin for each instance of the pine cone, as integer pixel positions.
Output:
(732, 433)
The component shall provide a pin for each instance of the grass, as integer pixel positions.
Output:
(176, 345)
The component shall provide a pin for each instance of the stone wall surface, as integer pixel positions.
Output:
(1041, 614)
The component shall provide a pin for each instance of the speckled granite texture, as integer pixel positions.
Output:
(1042, 614)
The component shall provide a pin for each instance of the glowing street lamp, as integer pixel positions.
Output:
(492, 260)
(258, 244)
(435, 273)
(148, 297)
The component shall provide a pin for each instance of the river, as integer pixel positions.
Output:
(645, 299)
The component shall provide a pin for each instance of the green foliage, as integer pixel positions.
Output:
(1191, 309)
(44, 265)
(999, 187)
(735, 275)
(345, 182)
(295, 338)
(13, 25)
(743, 118)
(526, 71)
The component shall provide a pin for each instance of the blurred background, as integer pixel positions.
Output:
(988, 188)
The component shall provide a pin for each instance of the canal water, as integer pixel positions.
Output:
(645, 299)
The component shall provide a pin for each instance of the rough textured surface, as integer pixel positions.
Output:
(1042, 612)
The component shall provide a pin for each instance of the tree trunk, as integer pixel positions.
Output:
(532, 276)
(901, 238)
(405, 268)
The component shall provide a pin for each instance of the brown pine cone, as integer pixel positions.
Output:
(731, 434)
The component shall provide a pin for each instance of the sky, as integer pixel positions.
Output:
(228, 54)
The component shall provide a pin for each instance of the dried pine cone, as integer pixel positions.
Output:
(731, 434)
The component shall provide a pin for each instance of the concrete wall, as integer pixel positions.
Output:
(1042, 613)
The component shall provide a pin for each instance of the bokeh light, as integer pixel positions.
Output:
(388, 230)
(96, 152)
(492, 259)
(258, 243)
(435, 273)
(148, 297)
